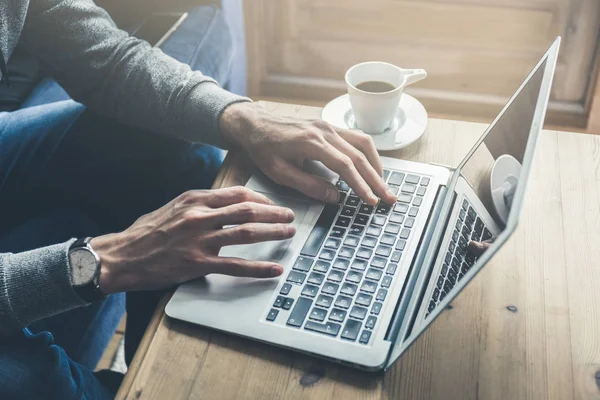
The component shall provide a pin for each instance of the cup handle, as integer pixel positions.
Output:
(413, 75)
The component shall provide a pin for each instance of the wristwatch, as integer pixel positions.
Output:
(85, 270)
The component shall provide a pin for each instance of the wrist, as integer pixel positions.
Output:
(105, 247)
(235, 122)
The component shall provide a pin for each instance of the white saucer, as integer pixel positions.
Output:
(503, 182)
(408, 126)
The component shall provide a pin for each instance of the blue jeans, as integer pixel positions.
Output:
(68, 172)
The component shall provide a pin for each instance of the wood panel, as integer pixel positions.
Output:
(477, 52)
(527, 327)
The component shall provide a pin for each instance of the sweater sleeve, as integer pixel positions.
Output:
(34, 285)
(123, 77)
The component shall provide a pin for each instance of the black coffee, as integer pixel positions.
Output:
(375, 86)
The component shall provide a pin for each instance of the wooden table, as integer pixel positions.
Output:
(528, 327)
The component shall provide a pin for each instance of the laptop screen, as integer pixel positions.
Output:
(508, 139)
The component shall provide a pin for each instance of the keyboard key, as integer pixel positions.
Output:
(444, 269)
(421, 191)
(351, 329)
(324, 301)
(287, 304)
(352, 201)
(364, 252)
(285, 289)
(440, 282)
(404, 234)
(346, 252)
(343, 221)
(364, 337)
(348, 289)
(316, 278)
(366, 209)
(348, 211)
(412, 179)
(296, 277)
(424, 181)
(321, 266)
(374, 274)
(327, 255)
(392, 229)
(436, 294)
(400, 208)
(359, 265)
(368, 286)
(335, 276)
(310, 290)
(396, 256)
(341, 264)
(401, 245)
(447, 286)
(469, 222)
(465, 204)
(318, 314)
(381, 293)
(394, 189)
(458, 224)
(351, 241)
(354, 276)
(442, 295)
(405, 198)
(374, 230)
(396, 178)
(386, 174)
(383, 251)
(466, 232)
(358, 312)
(342, 186)
(486, 234)
(471, 213)
(455, 235)
(272, 315)
(279, 302)
(376, 309)
(388, 240)
(378, 220)
(303, 264)
(361, 219)
(448, 258)
(409, 222)
(328, 328)
(387, 281)
(391, 269)
(476, 236)
(452, 277)
(378, 262)
(317, 235)
(371, 321)
(356, 229)
(369, 241)
(332, 243)
(343, 302)
(413, 211)
(409, 188)
(462, 243)
(431, 306)
(462, 215)
(383, 209)
(417, 201)
(451, 247)
(337, 315)
(364, 299)
(299, 312)
(336, 231)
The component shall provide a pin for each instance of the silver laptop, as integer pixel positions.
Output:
(361, 283)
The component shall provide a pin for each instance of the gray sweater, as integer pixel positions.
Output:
(105, 69)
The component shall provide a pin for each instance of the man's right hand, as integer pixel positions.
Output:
(181, 240)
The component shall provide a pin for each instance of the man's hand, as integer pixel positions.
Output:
(478, 248)
(181, 240)
(280, 145)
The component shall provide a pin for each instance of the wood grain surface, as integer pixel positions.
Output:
(528, 327)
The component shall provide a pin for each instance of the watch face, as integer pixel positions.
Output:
(83, 266)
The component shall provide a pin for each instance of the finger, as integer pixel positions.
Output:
(477, 248)
(308, 184)
(249, 233)
(371, 176)
(242, 213)
(237, 194)
(344, 166)
(239, 267)
(365, 144)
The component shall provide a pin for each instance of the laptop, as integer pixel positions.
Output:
(362, 282)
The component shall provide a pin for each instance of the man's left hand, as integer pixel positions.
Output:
(280, 145)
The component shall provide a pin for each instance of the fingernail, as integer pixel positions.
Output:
(332, 195)
(276, 270)
(291, 230)
(373, 199)
(290, 215)
(392, 195)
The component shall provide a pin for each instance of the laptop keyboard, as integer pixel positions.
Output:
(349, 261)
(458, 261)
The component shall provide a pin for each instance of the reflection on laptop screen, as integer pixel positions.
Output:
(508, 136)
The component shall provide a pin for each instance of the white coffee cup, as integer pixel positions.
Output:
(374, 112)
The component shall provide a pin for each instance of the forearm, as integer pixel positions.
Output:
(122, 77)
(34, 285)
